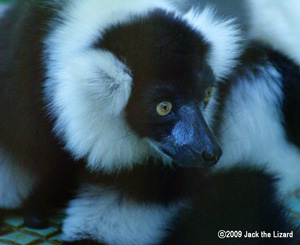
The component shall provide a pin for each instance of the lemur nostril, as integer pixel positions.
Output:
(208, 156)
(212, 156)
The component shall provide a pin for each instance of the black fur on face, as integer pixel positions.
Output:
(168, 62)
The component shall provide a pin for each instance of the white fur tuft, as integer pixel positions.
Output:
(88, 102)
(105, 215)
(224, 37)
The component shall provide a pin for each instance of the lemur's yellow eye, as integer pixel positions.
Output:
(208, 94)
(164, 108)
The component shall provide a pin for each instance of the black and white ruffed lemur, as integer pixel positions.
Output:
(123, 87)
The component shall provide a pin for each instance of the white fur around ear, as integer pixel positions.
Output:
(223, 36)
(88, 102)
(101, 79)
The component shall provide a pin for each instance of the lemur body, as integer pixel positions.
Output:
(121, 87)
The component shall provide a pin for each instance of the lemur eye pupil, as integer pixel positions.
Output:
(164, 108)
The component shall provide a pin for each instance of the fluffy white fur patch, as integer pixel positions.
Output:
(223, 35)
(88, 101)
(16, 183)
(87, 89)
(277, 23)
(104, 215)
(252, 129)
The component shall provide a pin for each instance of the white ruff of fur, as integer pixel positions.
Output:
(277, 23)
(16, 183)
(252, 129)
(103, 215)
(223, 35)
(87, 90)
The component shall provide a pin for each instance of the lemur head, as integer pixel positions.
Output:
(132, 81)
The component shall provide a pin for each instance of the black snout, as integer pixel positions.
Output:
(191, 142)
(211, 155)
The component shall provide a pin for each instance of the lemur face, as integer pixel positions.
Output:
(174, 120)
(171, 81)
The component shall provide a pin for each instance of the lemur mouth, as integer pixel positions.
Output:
(187, 157)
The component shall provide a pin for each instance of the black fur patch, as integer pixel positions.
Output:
(290, 73)
(149, 182)
(237, 200)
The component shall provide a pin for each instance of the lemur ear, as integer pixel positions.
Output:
(224, 37)
(102, 79)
